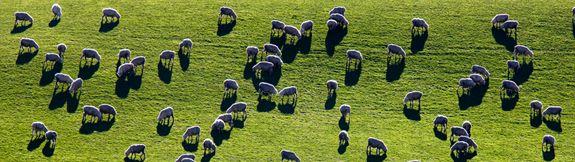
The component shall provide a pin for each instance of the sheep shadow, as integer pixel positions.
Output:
(227, 101)
(554, 125)
(304, 44)
(289, 53)
(394, 70)
(35, 143)
(248, 72)
(122, 88)
(287, 108)
(184, 60)
(87, 71)
(548, 155)
(190, 147)
(105, 125)
(376, 158)
(573, 27)
(19, 29)
(418, 41)
(522, 74)
(278, 40)
(88, 128)
(108, 26)
(208, 157)
(48, 151)
(239, 123)
(334, 38)
(412, 114)
(342, 148)
(53, 23)
(58, 98)
(25, 57)
(343, 125)
(502, 38)
(330, 101)
(127, 159)
(474, 98)
(225, 28)
(439, 134)
(459, 158)
(72, 102)
(352, 75)
(265, 105)
(48, 75)
(535, 120)
(165, 73)
(508, 104)
(219, 137)
(164, 129)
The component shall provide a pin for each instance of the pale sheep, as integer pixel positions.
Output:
(227, 11)
(107, 109)
(458, 131)
(75, 86)
(186, 156)
(467, 126)
(139, 61)
(227, 118)
(536, 106)
(124, 54)
(165, 115)
(57, 11)
(38, 129)
(478, 79)
(52, 57)
(412, 96)
(238, 107)
(218, 125)
(136, 149)
(22, 17)
(231, 86)
(510, 26)
(469, 141)
(167, 55)
(125, 70)
(289, 156)
(499, 18)
(522, 50)
(332, 86)
(341, 20)
(548, 143)
(394, 49)
(28, 43)
(513, 65)
(267, 89)
(91, 111)
(510, 87)
(419, 23)
(553, 112)
(62, 78)
(440, 120)
(460, 148)
(345, 110)
(480, 70)
(343, 137)
(277, 27)
(290, 91)
(337, 9)
(276, 60)
(110, 13)
(90, 53)
(191, 132)
(466, 84)
(263, 66)
(209, 146)
(376, 143)
(272, 48)
(52, 136)
(61, 49)
(331, 24)
(186, 44)
(252, 52)
(306, 27)
(293, 33)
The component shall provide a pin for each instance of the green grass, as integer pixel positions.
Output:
(459, 37)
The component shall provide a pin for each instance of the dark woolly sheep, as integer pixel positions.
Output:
(337, 9)
(375, 143)
(289, 156)
(467, 126)
(22, 17)
(277, 27)
(412, 96)
(548, 143)
(107, 109)
(28, 43)
(186, 156)
(227, 12)
(38, 129)
(91, 111)
(136, 149)
(110, 13)
(440, 120)
(499, 18)
(209, 146)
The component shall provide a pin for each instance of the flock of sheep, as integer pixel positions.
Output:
(460, 135)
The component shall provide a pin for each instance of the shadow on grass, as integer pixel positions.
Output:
(554, 125)
(102, 126)
(376, 158)
(219, 137)
(394, 70)
(53, 23)
(278, 40)
(474, 98)
(548, 155)
(48, 75)
(48, 151)
(275, 76)
(287, 108)
(460, 158)
(508, 104)
(334, 38)
(304, 44)
(440, 134)
(228, 101)
(412, 114)
(108, 26)
(522, 74)
(535, 119)
(19, 29)
(330, 101)
(342, 148)
(208, 157)
(239, 123)
(184, 59)
(418, 41)
(248, 72)
(343, 125)
(35, 143)
(72, 102)
(165, 73)
(164, 129)
(352, 75)
(265, 105)
(289, 53)
(225, 28)
(190, 147)
(59, 96)
(87, 70)
(502, 38)
(25, 57)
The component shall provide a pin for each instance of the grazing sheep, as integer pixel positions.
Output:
(51, 136)
(510, 26)
(110, 13)
(469, 141)
(276, 60)
(190, 132)
(125, 70)
(139, 61)
(292, 32)
(337, 9)
(478, 79)
(412, 96)
(480, 70)
(394, 49)
(353, 55)
(124, 54)
(238, 107)
(136, 149)
(231, 86)
(252, 53)
(552, 112)
(466, 84)
(186, 156)
(186, 44)
(289, 156)
(188, 160)
(467, 126)
(75, 86)
(61, 49)
(332, 86)
(536, 106)
(499, 18)
(227, 118)
(458, 131)
(512, 65)
(277, 27)
(263, 66)
(548, 143)
(57, 10)
(522, 50)
(22, 17)
(218, 125)
(62, 78)
(91, 111)
(209, 146)
(28, 43)
(228, 12)
(167, 55)
(341, 20)
(165, 115)
(460, 148)
(107, 109)
(272, 48)
(375, 143)
(306, 27)
(419, 23)
(290, 91)
(510, 87)
(52, 57)
(345, 110)
(38, 129)
(343, 137)
(440, 120)
(266, 89)
(331, 24)
(90, 53)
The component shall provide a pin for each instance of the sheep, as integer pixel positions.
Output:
(510, 87)
(277, 27)
(332, 87)
(139, 61)
(38, 129)
(522, 50)
(190, 132)
(536, 106)
(167, 55)
(341, 20)
(136, 149)
(458, 131)
(331, 24)
(227, 12)
(266, 89)
(460, 148)
(478, 79)
(186, 156)
(292, 32)
(108, 109)
(510, 26)
(375, 143)
(548, 143)
(187, 160)
(28, 43)
(209, 146)
(306, 28)
(419, 23)
(499, 18)
(52, 136)
(22, 17)
(412, 96)
(75, 86)
(110, 13)
(290, 91)
(124, 54)
(469, 141)
(57, 10)
(276, 60)
(480, 70)
(218, 125)
(394, 49)
(231, 86)
(227, 118)
(552, 112)
(343, 137)
(440, 120)
(62, 78)
(272, 48)
(466, 84)
(91, 111)
(345, 110)
(186, 45)
(353, 55)
(573, 10)
(467, 126)
(512, 65)
(90, 53)
(252, 53)
(165, 115)
(337, 9)
(238, 107)
(52, 57)
(125, 70)
(61, 49)
(289, 156)
(263, 66)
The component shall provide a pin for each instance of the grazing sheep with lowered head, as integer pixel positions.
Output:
(354, 55)
(510, 87)
(209, 146)
(167, 55)
(28, 43)
(165, 115)
(75, 86)
(276, 60)
(110, 13)
(337, 9)
(419, 23)
(375, 143)
(548, 143)
(218, 125)
(190, 132)
(290, 91)
(345, 110)
(331, 24)
(458, 131)
(523, 51)
(343, 137)
(267, 89)
(513, 65)
(227, 12)
(306, 27)
(536, 106)
(136, 149)
(469, 141)
(394, 49)
(52, 136)
(139, 61)
(510, 26)
(440, 120)
(38, 129)
(237, 108)
(91, 111)
(124, 54)
(57, 11)
(478, 79)
(341, 20)
(460, 148)
(289, 156)
(227, 118)
(186, 156)
(231, 86)
(62, 78)
(277, 27)
(264, 66)
(467, 126)
(292, 32)
(412, 96)
(252, 53)
(61, 49)
(480, 70)
(499, 18)
(90, 53)
(332, 86)
(52, 57)
(466, 84)
(22, 17)
(107, 109)
(125, 70)
(272, 48)
(552, 112)
(186, 44)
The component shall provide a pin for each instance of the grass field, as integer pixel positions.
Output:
(460, 35)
